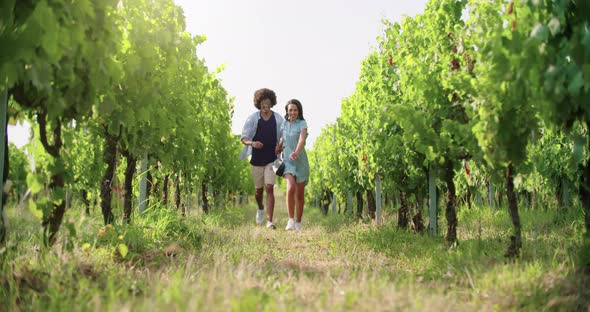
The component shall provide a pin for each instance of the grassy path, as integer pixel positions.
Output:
(322, 267)
(224, 262)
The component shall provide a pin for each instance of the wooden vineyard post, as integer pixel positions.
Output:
(566, 192)
(432, 196)
(349, 207)
(378, 198)
(3, 108)
(334, 203)
(143, 183)
(491, 192)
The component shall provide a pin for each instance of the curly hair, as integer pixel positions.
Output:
(262, 94)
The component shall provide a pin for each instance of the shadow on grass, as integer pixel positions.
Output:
(330, 222)
(229, 217)
(393, 241)
(559, 293)
(551, 244)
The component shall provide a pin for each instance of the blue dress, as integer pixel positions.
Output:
(300, 167)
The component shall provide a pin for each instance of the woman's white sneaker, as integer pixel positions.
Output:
(290, 225)
(298, 226)
(259, 216)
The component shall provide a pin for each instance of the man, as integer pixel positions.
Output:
(260, 136)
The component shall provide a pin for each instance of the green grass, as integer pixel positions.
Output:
(224, 262)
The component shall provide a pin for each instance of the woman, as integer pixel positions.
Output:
(292, 144)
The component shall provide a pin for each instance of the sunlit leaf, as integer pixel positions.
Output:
(123, 250)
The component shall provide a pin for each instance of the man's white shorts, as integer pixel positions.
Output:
(263, 175)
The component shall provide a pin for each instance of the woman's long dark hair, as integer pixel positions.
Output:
(299, 108)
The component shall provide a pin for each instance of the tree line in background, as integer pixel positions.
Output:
(108, 85)
(469, 97)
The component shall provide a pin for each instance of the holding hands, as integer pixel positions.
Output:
(279, 148)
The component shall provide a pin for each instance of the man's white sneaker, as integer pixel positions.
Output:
(290, 225)
(259, 216)
(271, 225)
(297, 226)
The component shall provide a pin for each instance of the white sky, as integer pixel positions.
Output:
(303, 49)
(19, 134)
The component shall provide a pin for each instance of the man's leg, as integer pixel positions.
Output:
(258, 175)
(270, 201)
(258, 196)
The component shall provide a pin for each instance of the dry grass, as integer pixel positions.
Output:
(333, 264)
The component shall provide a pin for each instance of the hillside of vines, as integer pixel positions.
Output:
(472, 102)
(116, 92)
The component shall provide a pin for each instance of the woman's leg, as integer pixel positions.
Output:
(290, 196)
(300, 197)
